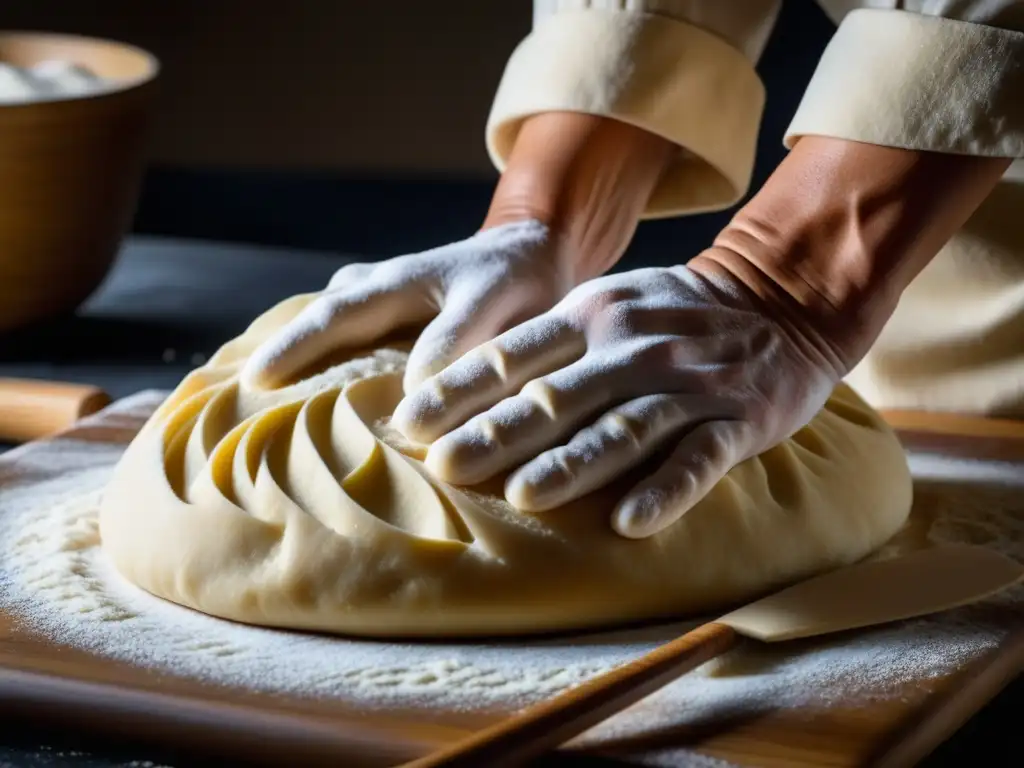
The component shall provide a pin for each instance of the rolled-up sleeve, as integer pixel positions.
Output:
(945, 78)
(682, 69)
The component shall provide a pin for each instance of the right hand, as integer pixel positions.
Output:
(687, 357)
(465, 294)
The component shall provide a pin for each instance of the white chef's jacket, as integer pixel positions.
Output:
(939, 75)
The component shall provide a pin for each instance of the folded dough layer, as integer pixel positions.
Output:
(299, 508)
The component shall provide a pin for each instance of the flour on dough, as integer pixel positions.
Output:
(298, 508)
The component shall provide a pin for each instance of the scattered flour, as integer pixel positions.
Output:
(46, 756)
(56, 580)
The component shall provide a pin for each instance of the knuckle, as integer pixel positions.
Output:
(349, 274)
(567, 468)
(595, 303)
(540, 394)
(672, 353)
(714, 457)
(557, 465)
(493, 359)
(717, 446)
(624, 429)
(392, 270)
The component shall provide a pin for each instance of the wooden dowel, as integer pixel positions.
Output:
(32, 409)
(544, 726)
(961, 425)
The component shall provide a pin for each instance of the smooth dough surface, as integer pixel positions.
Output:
(295, 508)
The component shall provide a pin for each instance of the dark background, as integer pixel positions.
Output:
(355, 127)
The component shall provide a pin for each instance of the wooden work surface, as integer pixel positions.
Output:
(40, 678)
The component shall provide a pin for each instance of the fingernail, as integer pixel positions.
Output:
(637, 516)
(461, 459)
(414, 413)
(522, 494)
(537, 489)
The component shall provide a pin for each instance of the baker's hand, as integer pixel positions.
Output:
(624, 365)
(464, 293)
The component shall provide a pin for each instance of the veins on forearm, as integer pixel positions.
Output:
(843, 227)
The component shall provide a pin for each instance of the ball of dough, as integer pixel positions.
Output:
(298, 508)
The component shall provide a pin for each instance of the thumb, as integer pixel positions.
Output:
(334, 321)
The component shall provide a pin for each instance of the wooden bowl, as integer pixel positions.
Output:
(70, 171)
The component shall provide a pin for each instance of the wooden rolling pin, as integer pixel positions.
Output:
(31, 409)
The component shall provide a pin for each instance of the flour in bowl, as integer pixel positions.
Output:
(47, 81)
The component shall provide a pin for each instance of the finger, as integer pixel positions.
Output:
(343, 319)
(543, 413)
(472, 315)
(619, 441)
(436, 346)
(485, 375)
(702, 458)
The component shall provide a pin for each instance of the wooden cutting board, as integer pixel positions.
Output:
(43, 680)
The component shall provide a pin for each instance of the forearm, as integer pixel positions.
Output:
(587, 177)
(841, 228)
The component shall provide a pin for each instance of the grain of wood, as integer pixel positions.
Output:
(74, 689)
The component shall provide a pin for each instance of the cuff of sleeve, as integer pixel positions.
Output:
(910, 81)
(665, 76)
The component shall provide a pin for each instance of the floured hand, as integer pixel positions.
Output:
(622, 366)
(464, 293)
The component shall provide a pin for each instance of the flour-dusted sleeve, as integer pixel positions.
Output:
(938, 75)
(682, 69)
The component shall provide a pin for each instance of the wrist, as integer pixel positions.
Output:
(841, 228)
(587, 178)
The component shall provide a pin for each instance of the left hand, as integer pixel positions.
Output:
(620, 367)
